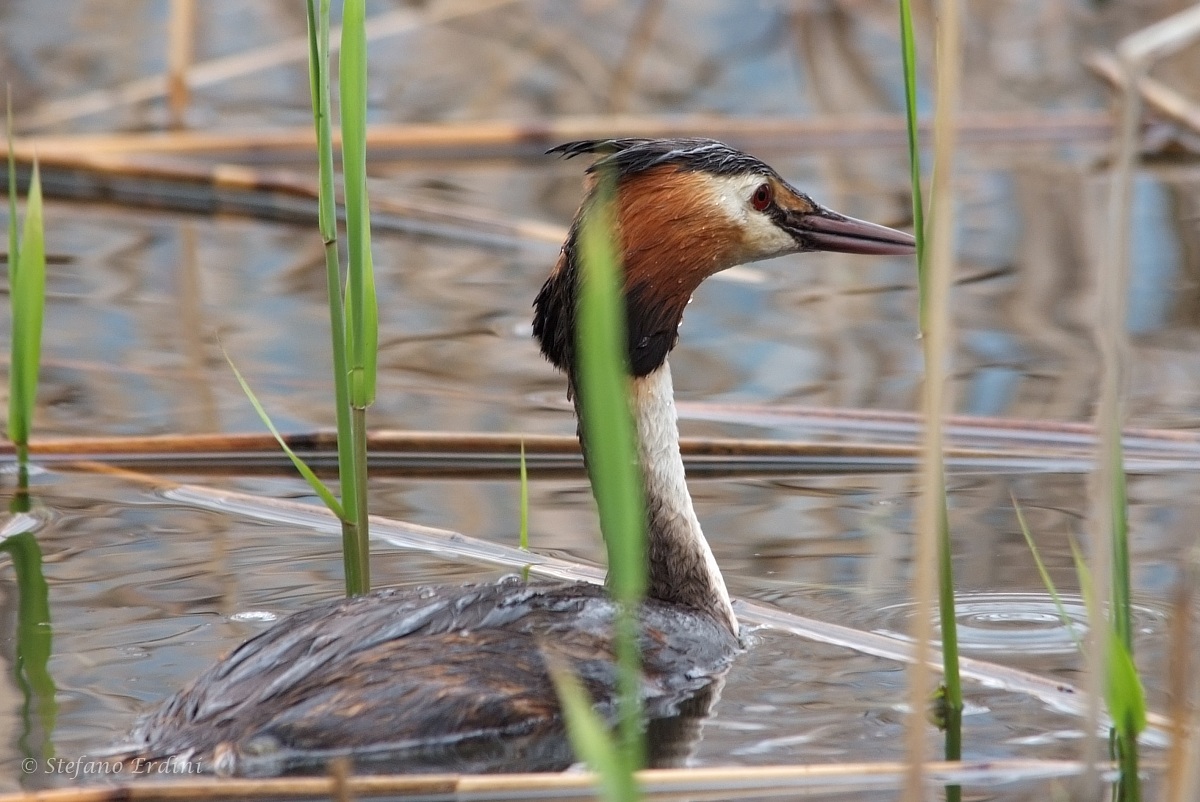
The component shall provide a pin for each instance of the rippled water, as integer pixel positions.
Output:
(145, 591)
(1019, 625)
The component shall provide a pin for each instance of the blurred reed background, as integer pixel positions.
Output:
(175, 141)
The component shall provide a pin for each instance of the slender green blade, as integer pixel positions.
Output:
(1126, 696)
(29, 299)
(608, 423)
(589, 737)
(524, 530)
(362, 313)
(524, 514)
(28, 293)
(610, 438)
(1123, 691)
(318, 76)
(908, 51)
(315, 483)
(1045, 575)
(1122, 602)
(315, 73)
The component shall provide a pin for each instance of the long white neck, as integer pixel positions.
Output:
(682, 567)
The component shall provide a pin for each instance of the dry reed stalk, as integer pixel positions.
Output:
(938, 334)
(215, 71)
(1180, 669)
(128, 164)
(1157, 95)
(1035, 432)
(181, 40)
(484, 454)
(724, 783)
(196, 187)
(463, 443)
(492, 137)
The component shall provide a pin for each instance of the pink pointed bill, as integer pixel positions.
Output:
(829, 231)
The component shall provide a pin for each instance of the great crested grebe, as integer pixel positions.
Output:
(454, 678)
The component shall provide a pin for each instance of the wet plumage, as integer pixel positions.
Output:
(449, 678)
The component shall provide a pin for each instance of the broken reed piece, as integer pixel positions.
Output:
(1163, 99)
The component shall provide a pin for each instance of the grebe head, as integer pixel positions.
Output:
(684, 210)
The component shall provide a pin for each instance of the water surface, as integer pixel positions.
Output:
(144, 591)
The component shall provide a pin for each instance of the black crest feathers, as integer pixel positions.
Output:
(630, 156)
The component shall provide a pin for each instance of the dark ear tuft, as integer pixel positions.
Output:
(630, 156)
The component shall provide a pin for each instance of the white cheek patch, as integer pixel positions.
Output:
(761, 238)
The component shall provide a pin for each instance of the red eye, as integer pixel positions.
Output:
(762, 197)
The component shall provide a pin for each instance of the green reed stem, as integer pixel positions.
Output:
(908, 51)
(610, 440)
(952, 696)
(27, 296)
(318, 66)
(1123, 690)
(362, 317)
(1122, 601)
(362, 551)
(523, 525)
(1125, 693)
(352, 313)
(362, 314)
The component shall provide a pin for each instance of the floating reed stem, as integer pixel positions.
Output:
(707, 783)
(438, 453)
(273, 194)
(472, 139)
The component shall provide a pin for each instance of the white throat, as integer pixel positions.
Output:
(682, 567)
